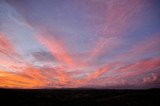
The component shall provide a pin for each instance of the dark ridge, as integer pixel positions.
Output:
(99, 97)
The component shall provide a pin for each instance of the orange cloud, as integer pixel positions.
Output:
(116, 19)
(15, 80)
(13, 70)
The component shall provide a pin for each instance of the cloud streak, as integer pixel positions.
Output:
(110, 45)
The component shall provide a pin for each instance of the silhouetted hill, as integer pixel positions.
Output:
(100, 97)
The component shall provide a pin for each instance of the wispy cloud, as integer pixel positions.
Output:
(105, 43)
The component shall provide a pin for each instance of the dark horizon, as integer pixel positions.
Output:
(79, 97)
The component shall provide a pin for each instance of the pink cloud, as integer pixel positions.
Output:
(117, 19)
(138, 68)
(6, 46)
(149, 45)
(57, 48)
(151, 79)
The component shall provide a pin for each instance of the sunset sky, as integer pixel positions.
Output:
(79, 43)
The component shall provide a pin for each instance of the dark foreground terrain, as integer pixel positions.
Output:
(83, 97)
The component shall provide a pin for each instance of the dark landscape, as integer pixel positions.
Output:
(107, 50)
(100, 97)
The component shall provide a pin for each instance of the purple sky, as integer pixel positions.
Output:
(79, 43)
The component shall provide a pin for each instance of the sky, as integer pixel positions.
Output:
(79, 44)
